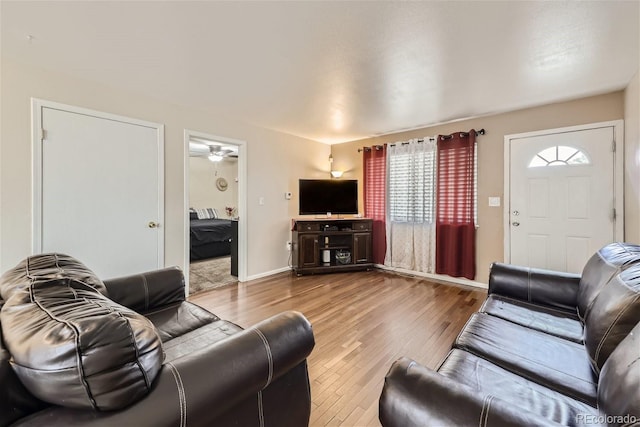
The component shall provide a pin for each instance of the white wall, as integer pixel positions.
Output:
(275, 162)
(632, 159)
(203, 192)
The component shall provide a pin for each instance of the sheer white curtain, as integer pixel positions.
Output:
(410, 226)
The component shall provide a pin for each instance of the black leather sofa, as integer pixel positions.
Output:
(188, 366)
(545, 349)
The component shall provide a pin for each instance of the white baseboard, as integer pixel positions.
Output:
(440, 277)
(268, 273)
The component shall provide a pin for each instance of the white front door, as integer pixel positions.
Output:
(101, 191)
(562, 197)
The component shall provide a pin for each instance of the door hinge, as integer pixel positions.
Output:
(613, 214)
(43, 135)
(613, 146)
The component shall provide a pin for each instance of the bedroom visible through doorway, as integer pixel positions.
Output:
(213, 213)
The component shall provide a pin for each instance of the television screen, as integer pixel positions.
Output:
(321, 196)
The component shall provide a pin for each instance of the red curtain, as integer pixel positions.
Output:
(374, 166)
(455, 227)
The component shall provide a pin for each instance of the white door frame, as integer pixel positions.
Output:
(36, 180)
(618, 175)
(242, 200)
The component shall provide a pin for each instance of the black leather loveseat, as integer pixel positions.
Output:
(132, 352)
(545, 349)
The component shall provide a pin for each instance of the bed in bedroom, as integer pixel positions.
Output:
(209, 238)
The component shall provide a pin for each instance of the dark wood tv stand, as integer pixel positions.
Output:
(312, 237)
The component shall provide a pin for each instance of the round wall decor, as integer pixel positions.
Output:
(221, 184)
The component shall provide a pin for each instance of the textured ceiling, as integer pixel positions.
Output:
(335, 71)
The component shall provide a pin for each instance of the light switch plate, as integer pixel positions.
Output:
(287, 195)
(494, 201)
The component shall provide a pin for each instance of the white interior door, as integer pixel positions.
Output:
(562, 198)
(101, 191)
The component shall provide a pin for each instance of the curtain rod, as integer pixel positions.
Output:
(379, 147)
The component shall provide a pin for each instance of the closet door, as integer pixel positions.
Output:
(101, 190)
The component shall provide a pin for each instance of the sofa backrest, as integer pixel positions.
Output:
(618, 392)
(600, 268)
(615, 311)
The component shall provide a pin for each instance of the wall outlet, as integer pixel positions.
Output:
(287, 195)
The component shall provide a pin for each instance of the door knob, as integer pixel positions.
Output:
(152, 224)
(515, 223)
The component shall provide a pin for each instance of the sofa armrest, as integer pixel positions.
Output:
(146, 291)
(414, 395)
(546, 287)
(199, 387)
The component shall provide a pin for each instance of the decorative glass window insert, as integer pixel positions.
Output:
(559, 155)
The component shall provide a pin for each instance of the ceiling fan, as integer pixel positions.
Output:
(213, 150)
(217, 153)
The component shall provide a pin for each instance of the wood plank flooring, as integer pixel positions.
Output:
(362, 322)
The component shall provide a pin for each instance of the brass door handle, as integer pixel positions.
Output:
(152, 224)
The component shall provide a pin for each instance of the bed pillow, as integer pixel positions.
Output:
(207, 213)
(70, 345)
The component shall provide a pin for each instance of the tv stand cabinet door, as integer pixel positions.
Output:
(309, 255)
(362, 248)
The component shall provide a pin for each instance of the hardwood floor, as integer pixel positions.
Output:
(362, 322)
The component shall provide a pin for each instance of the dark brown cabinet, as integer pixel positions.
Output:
(362, 247)
(308, 250)
(331, 245)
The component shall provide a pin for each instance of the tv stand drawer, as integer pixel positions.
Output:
(362, 225)
(309, 226)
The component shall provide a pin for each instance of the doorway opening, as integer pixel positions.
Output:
(215, 211)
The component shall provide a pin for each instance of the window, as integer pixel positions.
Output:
(411, 177)
(559, 155)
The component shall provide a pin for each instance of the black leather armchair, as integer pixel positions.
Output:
(546, 348)
(214, 372)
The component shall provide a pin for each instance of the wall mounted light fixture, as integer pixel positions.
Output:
(334, 173)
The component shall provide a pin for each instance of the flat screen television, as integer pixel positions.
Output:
(322, 196)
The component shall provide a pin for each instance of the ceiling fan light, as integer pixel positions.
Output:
(215, 157)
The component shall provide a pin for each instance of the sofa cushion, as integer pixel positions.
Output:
(554, 321)
(200, 338)
(601, 268)
(618, 391)
(174, 320)
(71, 345)
(613, 314)
(45, 267)
(556, 363)
(488, 378)
(15, 400)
